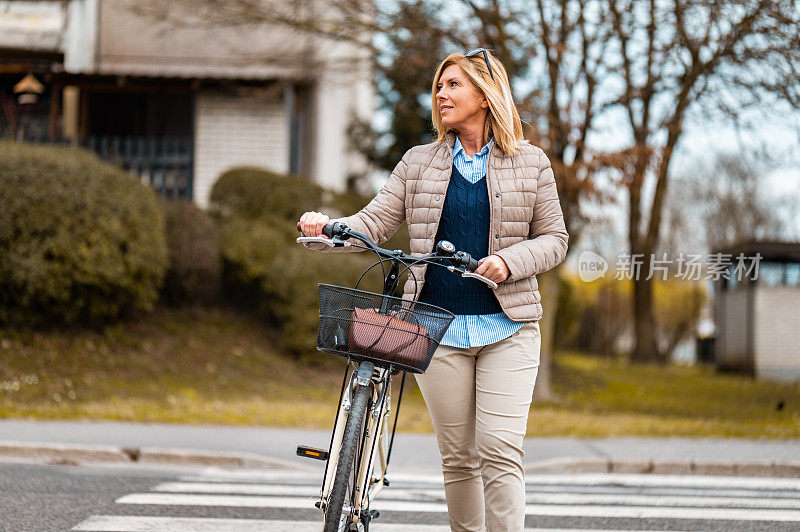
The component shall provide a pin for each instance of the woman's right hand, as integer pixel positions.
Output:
(311, 223)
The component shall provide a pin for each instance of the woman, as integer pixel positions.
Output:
(492, 194)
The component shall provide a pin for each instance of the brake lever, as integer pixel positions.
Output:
(480, 277)
(473, 275)
(332, 242)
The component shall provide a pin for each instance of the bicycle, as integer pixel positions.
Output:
(380, 335)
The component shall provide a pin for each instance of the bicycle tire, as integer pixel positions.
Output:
(350, 443)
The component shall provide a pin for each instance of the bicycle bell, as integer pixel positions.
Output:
(445, 248)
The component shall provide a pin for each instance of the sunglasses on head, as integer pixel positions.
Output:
(485, 52)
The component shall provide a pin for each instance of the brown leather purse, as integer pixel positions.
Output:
(387, 337)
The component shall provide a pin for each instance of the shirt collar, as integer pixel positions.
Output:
(458, 147)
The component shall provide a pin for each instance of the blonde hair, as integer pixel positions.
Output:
(502, 120)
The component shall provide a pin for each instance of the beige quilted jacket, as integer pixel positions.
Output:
(526, 224)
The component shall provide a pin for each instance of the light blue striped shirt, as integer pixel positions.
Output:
(473, 168)
(477, 330)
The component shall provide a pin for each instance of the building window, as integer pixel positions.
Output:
(771, 274)
(793, 274)
(730, 282)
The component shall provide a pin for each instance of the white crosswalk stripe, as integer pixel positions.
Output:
(607, 496)
(110, 523)
(531, 498)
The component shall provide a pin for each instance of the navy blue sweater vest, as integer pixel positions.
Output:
(465, 223)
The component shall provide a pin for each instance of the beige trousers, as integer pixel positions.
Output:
(478, 399)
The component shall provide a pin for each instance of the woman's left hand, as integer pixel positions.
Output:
(493, 267)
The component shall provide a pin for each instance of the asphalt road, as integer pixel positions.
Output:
(55, 498)
(41, 498)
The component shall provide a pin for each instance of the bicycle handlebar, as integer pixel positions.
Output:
(462, 262)
(332, 229)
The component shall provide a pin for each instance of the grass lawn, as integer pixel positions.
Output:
(601, 397)
(217, 366)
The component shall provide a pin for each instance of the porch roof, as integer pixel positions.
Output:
(769, 250)
(126, 67)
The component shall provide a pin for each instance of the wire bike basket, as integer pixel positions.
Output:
(383, 329)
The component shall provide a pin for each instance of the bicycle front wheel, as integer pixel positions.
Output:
(344, 481)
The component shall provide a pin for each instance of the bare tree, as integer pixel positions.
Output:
(570, 38)
(738, 209)
(340, 20)
(731, 202)
(670, 57)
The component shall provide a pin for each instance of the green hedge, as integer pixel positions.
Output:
(252, 193)
(80, 240)
(258, 212)
(264, 264)
(195, 261)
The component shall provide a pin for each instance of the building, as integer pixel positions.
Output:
(757, 311)
(177, 97)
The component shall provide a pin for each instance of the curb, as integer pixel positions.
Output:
(156, 455)
(74, 454)
(665, 467)
(62, 453)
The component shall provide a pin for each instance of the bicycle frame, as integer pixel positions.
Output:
(376, 441)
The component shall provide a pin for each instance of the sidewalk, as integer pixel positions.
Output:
(74, 442)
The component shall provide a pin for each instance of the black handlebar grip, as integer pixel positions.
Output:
(335, 229)
(465, 259)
